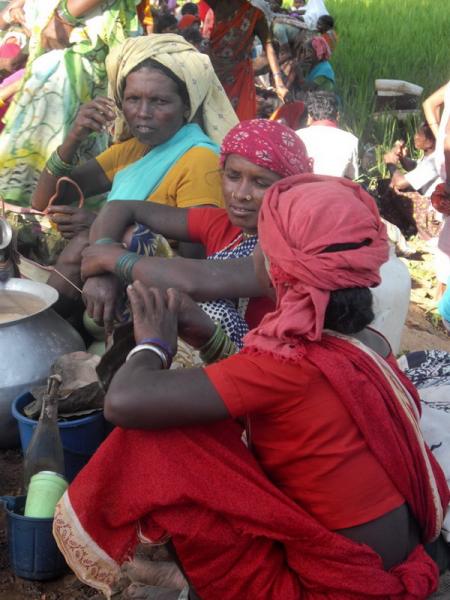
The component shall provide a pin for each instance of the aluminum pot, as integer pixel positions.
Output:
(32, 337)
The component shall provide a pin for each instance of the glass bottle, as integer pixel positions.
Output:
(45, 450)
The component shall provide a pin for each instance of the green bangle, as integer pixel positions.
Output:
(106, 240)
(57, 167)
(218, 347)
(65, 15)
(124, 266)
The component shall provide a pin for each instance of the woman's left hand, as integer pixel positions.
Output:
(70, 220)
(155, 314)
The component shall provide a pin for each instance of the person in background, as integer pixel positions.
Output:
(333, 150)
(146, 10)
(421, 176)
(14, 36)
(194, 37)
(325, 26)
(437, 113)
(190, 8)
(66, 68)
(231, 42)
(189, 21)
(165, 23)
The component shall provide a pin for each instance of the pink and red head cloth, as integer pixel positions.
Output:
(300, 217)
(269, 144)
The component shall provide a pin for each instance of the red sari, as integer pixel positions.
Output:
(231, 47)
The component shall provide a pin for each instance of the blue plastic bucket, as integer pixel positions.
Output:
(80, 437)
(33, 552)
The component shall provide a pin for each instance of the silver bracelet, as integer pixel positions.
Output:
(152, 348)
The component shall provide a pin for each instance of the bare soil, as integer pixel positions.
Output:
(423, 330)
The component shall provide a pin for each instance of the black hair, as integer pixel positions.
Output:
(427, 132)
(349, 310)
(189, 8)
(327, 21)
(322, 105)
(149, 63)
(192, 35)
(163, 21)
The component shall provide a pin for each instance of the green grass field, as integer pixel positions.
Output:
(392, 39)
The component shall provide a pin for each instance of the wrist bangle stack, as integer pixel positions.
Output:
(124, 266)
(165, 360)
(57, 167)
(218, 346)
(161, 344)
(63, 13)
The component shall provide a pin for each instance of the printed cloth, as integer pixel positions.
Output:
(231, 313)
(193, 68)
(55, 84)
(269, 144)
(429, 370)
(301, 216)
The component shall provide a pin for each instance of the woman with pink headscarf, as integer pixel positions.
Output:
(254, 155)
(333, 492)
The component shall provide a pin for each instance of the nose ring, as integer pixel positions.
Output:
(248, 197)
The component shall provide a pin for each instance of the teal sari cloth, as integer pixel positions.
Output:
(322, 69)
(138, 180)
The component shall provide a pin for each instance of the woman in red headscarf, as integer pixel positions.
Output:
(236, 22)
(254, 155)
(334, 492)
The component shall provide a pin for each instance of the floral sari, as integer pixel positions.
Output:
(231, 47)
(54, 86)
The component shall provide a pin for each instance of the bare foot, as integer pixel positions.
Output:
(137, 591)
(157, 573)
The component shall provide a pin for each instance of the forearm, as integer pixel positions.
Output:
(117, 215)
(178, 397)
(273, 64)
(203, 280)
(432, 109)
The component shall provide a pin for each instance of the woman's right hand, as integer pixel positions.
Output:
(94, 116)
(100, 258)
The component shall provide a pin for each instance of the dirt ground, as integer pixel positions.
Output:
(422, 331)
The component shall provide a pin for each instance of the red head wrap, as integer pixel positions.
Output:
(301, 216)
(187, 21)
(268, 144)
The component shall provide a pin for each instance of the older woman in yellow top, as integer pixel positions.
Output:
(170, 114)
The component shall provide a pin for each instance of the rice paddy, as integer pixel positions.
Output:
(401, 39)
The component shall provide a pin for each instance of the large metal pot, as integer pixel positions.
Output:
(32, 336)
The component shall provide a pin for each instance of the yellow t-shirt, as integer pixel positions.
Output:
(193, 180)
